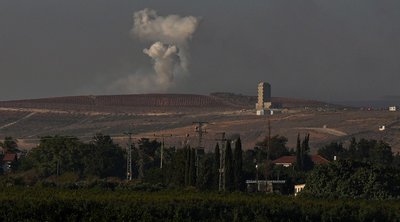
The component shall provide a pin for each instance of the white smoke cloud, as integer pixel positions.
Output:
(165, 60)
(169, 51)
(171, 29)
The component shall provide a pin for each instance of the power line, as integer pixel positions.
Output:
(221, 179)
(163, 136)
(129, 157)
(200, 131)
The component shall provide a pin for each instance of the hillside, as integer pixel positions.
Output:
(277, 102)
(83, 116)
(142, 103)
(123, 103)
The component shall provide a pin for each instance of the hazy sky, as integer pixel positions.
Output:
(321, 49)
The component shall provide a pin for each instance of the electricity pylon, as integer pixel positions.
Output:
(200, 131)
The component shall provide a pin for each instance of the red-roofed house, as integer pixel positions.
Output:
(8, 160)
(288, 161)
(318, 160)
(285, 161)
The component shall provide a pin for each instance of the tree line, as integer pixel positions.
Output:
(101, 157)
(227, 168)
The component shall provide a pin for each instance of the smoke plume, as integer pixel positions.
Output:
(169, 38)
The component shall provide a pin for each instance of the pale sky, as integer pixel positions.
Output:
(321, 49)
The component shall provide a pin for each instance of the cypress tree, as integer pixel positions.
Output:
(187, 165)
(228, 167)
(216, 166)
(352, 148)
(306, 162)
(298, 153)
(238, 165)
(192, 169)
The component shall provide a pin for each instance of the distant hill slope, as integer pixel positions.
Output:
(278, 102)
(123, 103)
(155, 103)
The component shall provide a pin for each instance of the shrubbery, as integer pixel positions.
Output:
(47, 204)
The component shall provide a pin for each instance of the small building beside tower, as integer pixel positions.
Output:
(263, 105)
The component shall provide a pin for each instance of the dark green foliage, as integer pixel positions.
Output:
(277, 146)
(206, 179)
(345, 178)
(396, 161)
(9, 145)
(40, 204)
(154, 175)
(352, 150)
(229, 174)
(303, 159)
(148, 155)
(238, 166)
(105, 158)
(331, 150)
(298, 153)
(249, 163)
(58, 154)
(191, 164)
(187, 165)
(216, 165)
(381, 153)
(378, 152)
(175, 170)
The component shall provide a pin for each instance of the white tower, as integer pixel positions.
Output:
(264, 98)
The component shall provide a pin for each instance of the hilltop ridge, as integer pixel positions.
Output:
(141, 103)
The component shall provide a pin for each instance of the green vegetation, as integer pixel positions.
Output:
(47, 204)
(66, 179)
(9, 144)
(303, 160)
(354, 179)
(378, 152)
(56, 155)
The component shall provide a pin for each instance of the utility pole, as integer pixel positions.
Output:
(269, 134)
(221, 179)
(185, 142)
(268, 148)
(200, 131)
(129, 157)
(162, 147)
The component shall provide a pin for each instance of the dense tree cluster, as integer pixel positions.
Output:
(58, 154)
(355, 179)
(378, 152)
(276, 146)
(182, 167)
(102, 158)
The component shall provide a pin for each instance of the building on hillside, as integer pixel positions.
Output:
(9, 160)
(263, 104)
(288, 161)
(298, 188)
(269, 186)
(392, 108)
